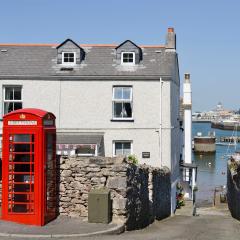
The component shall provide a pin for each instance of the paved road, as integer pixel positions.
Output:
(211, 224)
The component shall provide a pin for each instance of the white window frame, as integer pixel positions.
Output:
(127, 63)
(121, 101)
(69, 63)
(4, 100)
(121, 141)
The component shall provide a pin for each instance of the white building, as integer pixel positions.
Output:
(108, 99)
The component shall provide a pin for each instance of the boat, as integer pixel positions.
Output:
(227, 124)
(204, 144)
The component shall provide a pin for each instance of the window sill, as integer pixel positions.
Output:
(122, 120)
(64, 64)
(128, 64)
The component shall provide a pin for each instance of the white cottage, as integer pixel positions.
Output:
(108, 99)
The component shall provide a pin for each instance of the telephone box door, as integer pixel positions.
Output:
(20, 182)
(50, 193)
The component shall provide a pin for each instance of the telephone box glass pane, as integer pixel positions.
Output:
(21, 208)
(21, 147)
(20, 168)
(21, 158)
(22, 138)
(18, 197)
(20, 186)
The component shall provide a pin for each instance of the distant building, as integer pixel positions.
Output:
(217, 114)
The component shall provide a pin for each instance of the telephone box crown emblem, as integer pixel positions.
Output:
(22, 116)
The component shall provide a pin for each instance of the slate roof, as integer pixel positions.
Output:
(79, 139)
(100, 60)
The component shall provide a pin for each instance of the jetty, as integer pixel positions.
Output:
(231, 139)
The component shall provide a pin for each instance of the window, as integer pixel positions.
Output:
(128, 58)
(122, 102)
(122, 148)
(12, 98)
(87, 150)
(68, 58)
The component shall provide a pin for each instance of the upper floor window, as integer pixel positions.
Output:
(12, 98)
(122, 102)
(128, 58)
(69, 58)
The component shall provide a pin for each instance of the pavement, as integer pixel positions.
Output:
(208, 224)
(62, 227)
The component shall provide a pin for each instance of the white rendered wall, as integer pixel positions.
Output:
(86, 106)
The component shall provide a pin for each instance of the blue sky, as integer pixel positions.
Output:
(208, 34)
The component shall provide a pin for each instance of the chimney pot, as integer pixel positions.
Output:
(187, 77)
(171, 39)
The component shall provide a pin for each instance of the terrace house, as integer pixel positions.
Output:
(108, 99)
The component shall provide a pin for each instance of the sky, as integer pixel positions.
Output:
(208, 34)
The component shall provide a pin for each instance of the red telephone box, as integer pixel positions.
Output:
(29, 167)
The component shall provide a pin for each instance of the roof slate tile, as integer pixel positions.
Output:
(99, 61)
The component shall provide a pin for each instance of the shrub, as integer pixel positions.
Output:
(133, 159)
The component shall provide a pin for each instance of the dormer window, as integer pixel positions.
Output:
(128, 53)
(69, 58)
(128, 58)
(69, 53)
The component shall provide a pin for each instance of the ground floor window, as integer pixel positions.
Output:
(77, 149)
(122, 148)
(87, 150)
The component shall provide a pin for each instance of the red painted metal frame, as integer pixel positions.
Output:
(29, 207)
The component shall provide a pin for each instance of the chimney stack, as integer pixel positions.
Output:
(171, 39)
(187, 104)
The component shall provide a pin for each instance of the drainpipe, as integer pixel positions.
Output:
(160, 124)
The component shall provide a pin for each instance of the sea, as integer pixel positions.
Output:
(212, 168)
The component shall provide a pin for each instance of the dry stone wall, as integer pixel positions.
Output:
(139, 194)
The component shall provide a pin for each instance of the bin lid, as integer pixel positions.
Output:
(100, 191)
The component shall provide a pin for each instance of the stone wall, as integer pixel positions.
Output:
(161, 193)
(233, 189)
(139, 194)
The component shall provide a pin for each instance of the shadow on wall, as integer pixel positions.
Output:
(233, 192)
(137, 198)
(148, 196)
(161, 193)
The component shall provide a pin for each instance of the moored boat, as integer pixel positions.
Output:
(227, 124)
(205, 144)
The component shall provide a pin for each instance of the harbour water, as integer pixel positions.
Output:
(212, 169)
